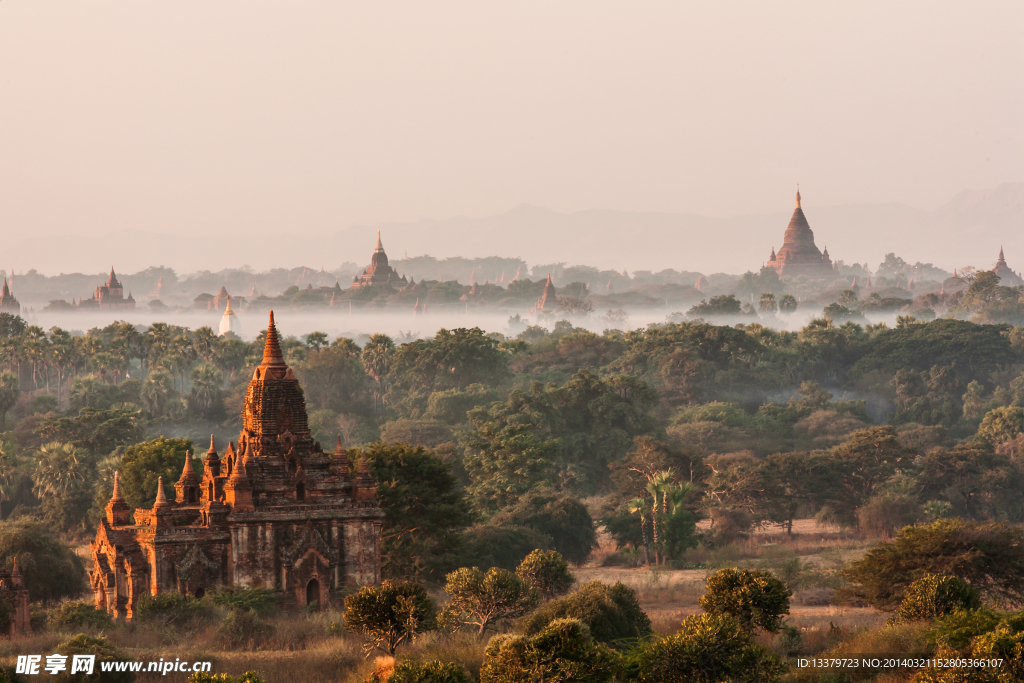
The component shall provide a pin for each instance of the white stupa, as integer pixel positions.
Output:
(229, 323)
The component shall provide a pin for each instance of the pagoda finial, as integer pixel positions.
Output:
(798, 196)
(161, 496)
(227, 309)
(188, 469)
(14, 568)
(380, 246)
(272, 349)
(117, 488)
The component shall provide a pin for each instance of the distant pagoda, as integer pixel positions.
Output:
(379, 273)
(799, 255)
(109, 295)
(1007, 278)
(229, 322)
(8, 304)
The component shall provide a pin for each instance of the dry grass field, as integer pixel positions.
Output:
(311, 648)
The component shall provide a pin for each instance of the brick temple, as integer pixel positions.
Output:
(798, 254)
(379, 273)
(273, 511)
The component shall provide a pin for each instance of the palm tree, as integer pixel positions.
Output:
(10, 466)
(206, 382)
(156, 392)
(204, 341)
(376, 359)
(658, 486)
(767, 303)
(35, 346)
(60, 469)
(640, 505)
(62, 350)
(10, 391)
(316, 340)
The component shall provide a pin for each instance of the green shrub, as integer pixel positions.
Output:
(487, 545)
(935, 596)
(955, 631)
(49, 566)
(76, 614)
(990, 557)
(262, 601)
(563, 518)
(171, 608)
(562, 651)
(611, 613)
(709, 648)
(243, 629)
(390, 614)
(247, 677)
(430, 672)
(753, 597)
(104, 651)
(546, 571)
(478, 598)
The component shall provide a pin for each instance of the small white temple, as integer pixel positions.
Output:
(229, 322)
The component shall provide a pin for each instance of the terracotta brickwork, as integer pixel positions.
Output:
(275, 511)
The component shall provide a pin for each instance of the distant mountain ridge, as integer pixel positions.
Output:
(968, 230)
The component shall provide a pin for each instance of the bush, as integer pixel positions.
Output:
(390, 614)
(487, 545)
(262, 601)
(171, 608)
(611, 613)
(243, 629)
(885, 513)
(935, 596)
(247, 677)
(546, 571)
(480, 598)
(990, 557)
(430, 672)
(709, 648)
(956, 630)
(562, 651)
(76, 614)
(104, 651)
(50, 568)
(564, 518)
(753, 597)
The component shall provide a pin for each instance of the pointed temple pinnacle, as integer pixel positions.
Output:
(272, 350)
(338, 448)
(188, 469)
(14, 568)
(161, 496)
(798, 196)
(117, 487)
(227, 309)
(379, 247)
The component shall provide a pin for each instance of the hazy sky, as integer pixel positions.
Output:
(199, 117)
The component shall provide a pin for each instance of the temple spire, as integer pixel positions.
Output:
(117, 488)
(380, 246)
(161, 496)
(798, 196)
(227, 309)
(188, 470)
(272, 349)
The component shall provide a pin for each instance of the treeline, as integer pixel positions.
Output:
(667, 425)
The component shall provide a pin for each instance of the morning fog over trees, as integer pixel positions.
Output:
(511, 342)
